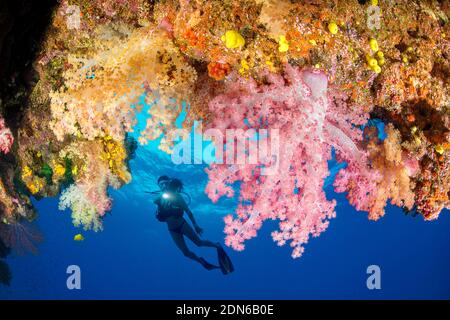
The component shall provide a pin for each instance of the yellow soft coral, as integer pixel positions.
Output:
(122, 65)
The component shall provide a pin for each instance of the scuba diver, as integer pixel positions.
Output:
(170, 209)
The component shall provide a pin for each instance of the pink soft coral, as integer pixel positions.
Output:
(6, 137)
(311, 119)
(394, 169)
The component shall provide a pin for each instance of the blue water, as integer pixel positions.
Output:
(134, 257)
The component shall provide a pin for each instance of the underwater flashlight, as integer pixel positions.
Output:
(165, 195)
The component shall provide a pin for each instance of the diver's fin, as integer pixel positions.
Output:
(208, 265)
(224, 261)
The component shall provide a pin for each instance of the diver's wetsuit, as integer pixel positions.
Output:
(171, 210)
(179, 228)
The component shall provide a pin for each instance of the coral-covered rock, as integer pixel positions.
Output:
(6, 137)
(69, 108)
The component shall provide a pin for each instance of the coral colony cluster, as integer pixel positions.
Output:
(321, 72)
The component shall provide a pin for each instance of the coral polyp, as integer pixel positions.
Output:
(319, 72)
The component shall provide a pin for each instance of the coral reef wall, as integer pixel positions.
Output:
(23, 24)
(321, 72)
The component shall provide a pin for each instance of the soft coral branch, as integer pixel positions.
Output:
(6, 137)
(393, 169)
(310, 122)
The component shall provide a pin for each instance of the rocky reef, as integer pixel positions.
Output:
(74, 74)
